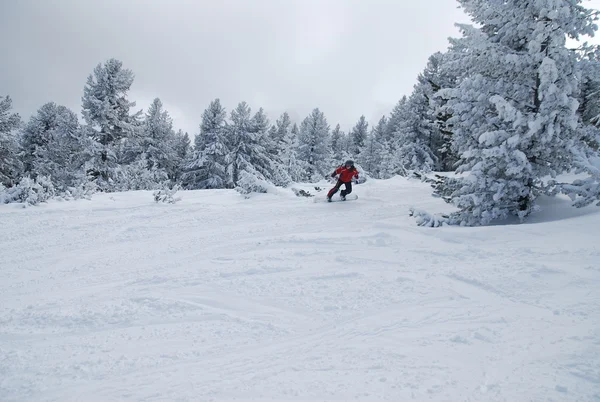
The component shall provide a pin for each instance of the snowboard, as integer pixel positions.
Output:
(337, 198)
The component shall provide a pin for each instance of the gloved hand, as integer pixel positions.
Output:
(333, 174)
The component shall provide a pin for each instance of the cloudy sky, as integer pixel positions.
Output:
(347, 57)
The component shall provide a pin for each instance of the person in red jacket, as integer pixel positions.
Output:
(347, 172)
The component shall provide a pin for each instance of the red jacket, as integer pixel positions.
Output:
(346, 175)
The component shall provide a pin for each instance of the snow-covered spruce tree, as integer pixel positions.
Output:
(295, 168)
(36, 135)
(413, 135)
(248, 159)
(433, 78)
(387, 166)
(53, 146)
(159, 141)
(585, 191)
(314, 151)
(10, 165)
(207, 168)
(358, 137)
(182, 150)
(397, 116)
(106, 111)
(150, 154)
(182, 144)
(370, 156)
(279, 135)
(514, 112)
(282, 149)
(271, 165)
(338, 146)
(589, 96)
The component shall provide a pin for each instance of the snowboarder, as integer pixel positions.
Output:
(347, 172)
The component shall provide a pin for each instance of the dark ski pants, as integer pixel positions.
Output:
(344, 193)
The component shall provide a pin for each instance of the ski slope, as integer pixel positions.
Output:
(279, 298)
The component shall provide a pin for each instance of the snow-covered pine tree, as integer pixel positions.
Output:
(358, 137)
(279, 134)
(432, 120)
(283, 149)
(158, 145)
(584, 191)
(338, 146)
(370, 157)
(387, 167)
(53, 144)
(397, 116)
(273, 140)
(268, 164)
(295, 168)
(182, 150)
(10, 165)
(106, 111)
(514, 111)
(248, 159)
(314, 151)
(380, 130)
(183, 144)
(413, 135)
(36, 135)
(435, 77)
(207, 165)
(589, 97)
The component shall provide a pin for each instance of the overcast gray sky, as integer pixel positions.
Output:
(347, 57)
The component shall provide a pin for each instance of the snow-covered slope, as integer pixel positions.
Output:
(279, 298)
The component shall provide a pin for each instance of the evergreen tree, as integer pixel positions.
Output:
(182, 150)
(397, 117)
(295, 168)
(314, 151)
(413, 135)
(283, 149)
(431, 123)
(388, 167)
(248, 158)
(53, 145)
(371, 155)
(10, 165)
(338, 145)
(182, 144)
(280, 134)
(269, 165)
(358, 136)
(158, 145)
(589, 97)
(208, 165)
(106, 111)
(514, 110)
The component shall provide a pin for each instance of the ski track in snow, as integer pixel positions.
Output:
(279, 298)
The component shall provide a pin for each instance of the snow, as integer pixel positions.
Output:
(278, 298)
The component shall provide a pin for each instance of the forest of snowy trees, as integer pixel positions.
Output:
(510, 105)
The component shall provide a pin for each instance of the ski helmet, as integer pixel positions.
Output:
(349, 163)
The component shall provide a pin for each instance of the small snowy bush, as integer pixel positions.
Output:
(84, 190)
(250, 183)
(426, 219)
(28, 191)
(167, 195)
